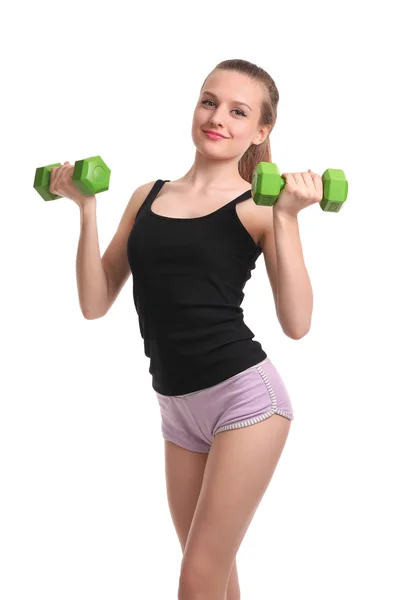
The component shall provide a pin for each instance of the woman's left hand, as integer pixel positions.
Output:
(301, 190)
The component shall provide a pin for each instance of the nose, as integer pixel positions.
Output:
(217, 117)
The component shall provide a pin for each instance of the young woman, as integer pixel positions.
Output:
(190, 245)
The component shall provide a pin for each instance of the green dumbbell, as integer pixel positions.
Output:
(267, 184)
(91, 176)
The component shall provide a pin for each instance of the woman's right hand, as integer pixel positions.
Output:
(61, 184)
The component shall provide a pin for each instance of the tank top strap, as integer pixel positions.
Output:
(148, 201)
(231, 206)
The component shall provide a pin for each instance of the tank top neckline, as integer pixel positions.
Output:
(243, 196)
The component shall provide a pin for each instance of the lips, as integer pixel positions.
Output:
(214, 133)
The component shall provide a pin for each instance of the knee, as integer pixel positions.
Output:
(201, 581)
(191, 583)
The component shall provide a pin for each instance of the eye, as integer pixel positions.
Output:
(237, 110)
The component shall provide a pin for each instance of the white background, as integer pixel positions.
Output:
(83, 507)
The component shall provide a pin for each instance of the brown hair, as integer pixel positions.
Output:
(261, 152)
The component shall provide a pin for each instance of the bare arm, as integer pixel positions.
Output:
(287, 273)
(100, 279)
(295, 295)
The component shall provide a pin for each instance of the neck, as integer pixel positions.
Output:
(209, 174)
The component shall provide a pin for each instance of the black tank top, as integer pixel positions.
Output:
(188, 277)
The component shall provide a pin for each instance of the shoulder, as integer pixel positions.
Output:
(139, 196)
(146, 188)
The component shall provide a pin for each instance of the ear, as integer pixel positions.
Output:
(262, 135)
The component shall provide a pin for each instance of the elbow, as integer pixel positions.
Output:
(297, 335)
(294, 333)
(91, 315)
(92, 310)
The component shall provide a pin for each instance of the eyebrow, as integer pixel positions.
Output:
(234, 102)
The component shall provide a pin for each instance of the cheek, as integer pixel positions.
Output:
(197, 119)
(196, 115)
(196, 128)
(196, 123)
(241, 133)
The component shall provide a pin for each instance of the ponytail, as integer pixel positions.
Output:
(254, 155)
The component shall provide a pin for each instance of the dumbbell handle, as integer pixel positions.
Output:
(283, 183)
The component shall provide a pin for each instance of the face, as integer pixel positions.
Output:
(230, 104)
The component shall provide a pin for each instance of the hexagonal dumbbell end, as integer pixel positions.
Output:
(266, 184)
(42, 182)
(91, 175)
(335, 191)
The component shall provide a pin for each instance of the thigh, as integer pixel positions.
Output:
(184, 471)
(240, 466)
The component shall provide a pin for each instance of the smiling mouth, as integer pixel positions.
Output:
(215, 135)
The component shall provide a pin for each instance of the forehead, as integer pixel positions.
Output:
(234, 85)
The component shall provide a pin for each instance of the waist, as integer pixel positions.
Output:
(176, 372)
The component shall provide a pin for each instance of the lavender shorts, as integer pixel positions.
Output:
(193, 420)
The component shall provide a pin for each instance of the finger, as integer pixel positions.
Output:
(308, 181)
(53, 175)
(299, 180)
(318, 184)
(57, 179)
(288, 177)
